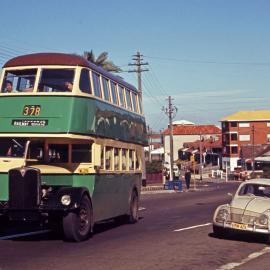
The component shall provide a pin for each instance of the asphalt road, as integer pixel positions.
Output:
(174, 232)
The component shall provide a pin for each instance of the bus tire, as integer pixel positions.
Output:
(133, 215)
(77, 225)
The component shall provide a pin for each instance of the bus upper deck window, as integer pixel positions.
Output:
(56, 80)
(19, 81)
(85, 85)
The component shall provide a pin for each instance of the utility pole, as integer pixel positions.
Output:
(253, 149)
(171, 112)
(150, 142)
(138, 63)
(201, 156)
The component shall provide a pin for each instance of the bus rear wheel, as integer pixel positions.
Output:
(133, 216)
(77, 225)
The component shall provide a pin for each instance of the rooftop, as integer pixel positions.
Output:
(193, 130)
(261, 115)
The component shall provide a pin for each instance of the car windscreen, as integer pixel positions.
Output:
(255, 190)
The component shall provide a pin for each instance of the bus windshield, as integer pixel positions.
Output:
(12, 147)
(19, 81)
(56, 80)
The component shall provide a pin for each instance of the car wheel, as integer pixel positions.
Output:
(220, 232)
(77, 225)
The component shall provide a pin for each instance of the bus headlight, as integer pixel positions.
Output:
(66, 200)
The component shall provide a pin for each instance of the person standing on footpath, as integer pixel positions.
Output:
(187, 178)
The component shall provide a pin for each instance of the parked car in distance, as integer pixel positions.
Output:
(249, 210)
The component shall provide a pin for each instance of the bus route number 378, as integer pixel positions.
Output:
(31, 110)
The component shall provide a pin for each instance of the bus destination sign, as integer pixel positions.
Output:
(29, 123)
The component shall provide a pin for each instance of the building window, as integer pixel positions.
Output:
(244, 124)
(268, 137)
(228, 150)
(233, 136)
(244, 138)
(268, 124)
(233, 124)
(234, 150)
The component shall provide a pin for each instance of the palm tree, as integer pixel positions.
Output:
(102, 61)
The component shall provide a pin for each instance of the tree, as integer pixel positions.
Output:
(102, 61)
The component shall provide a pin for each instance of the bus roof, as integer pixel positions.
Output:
(38, 59)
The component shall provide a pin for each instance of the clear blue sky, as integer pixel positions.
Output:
(211, 56)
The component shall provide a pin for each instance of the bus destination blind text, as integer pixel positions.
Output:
(29, 123)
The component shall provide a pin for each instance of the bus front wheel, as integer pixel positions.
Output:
(77, 225)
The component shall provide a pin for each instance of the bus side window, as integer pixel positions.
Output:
(102, 157)
(131, 160)
(81, 153)
(134, 101)
(108, 158)
(114, 94)
(116, 159)
(96, 85)
(128, 100)
(124, 159)
(138, 161)
(121, 96)
(85, 85)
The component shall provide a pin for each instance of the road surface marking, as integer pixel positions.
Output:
(193, 227)
(142, 208)
(23, 234)
(230, 266)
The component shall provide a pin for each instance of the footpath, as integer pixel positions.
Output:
(198, 185)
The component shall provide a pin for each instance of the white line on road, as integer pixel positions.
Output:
(142, 208)
(193, 227)
(23, 234)
(230, 266)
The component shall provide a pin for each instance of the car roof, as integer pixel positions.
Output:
(260, 181)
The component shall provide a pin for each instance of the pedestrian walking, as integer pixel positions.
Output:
(187, 178)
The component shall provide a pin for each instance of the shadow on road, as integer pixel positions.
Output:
(55, 233)
(242, 237)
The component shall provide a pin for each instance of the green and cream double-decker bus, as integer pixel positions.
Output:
(71, 143)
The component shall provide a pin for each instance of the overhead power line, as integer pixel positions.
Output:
(216, 62)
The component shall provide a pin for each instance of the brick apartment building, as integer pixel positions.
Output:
(243, 128)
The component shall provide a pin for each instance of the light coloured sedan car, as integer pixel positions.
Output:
(248, 211)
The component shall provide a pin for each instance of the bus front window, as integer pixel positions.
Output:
(12, 147)
(56, 80)
(19, 81)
